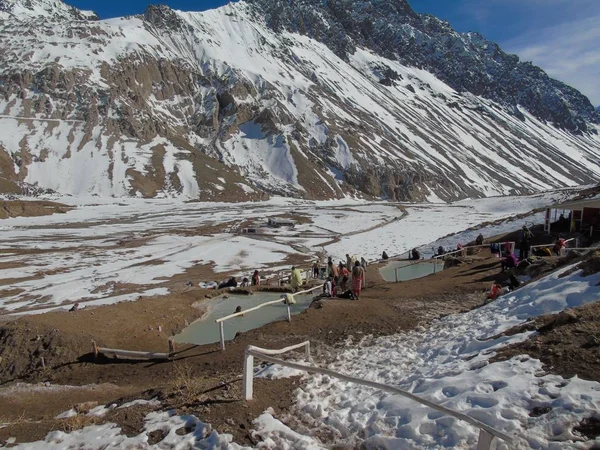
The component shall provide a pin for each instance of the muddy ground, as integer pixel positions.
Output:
(19, 208)
(204, 381)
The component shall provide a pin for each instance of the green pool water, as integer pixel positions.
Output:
(408, 270)
(206, 330)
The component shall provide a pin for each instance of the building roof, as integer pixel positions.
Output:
(593, 202)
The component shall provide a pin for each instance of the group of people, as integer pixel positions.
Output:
(338, 277)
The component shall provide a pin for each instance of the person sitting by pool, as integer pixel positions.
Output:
(559, 245)
(509, 261)
(245, 282)
(514, 282)
(329, 288)
(238, 309)
(385, 256)
(415, 254)
(479, 240)
(232, 282)
(347, 295)
(495, 292)
(441, 250)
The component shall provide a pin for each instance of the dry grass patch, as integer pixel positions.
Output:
(187, 385)
(78, 422)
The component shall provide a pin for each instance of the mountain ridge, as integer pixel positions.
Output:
(394, 30)
(219, 105)
(48, 9)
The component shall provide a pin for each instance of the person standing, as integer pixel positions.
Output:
(357, 279)
(525, 244)
(296, 278)
(479, 240)
(255, 278)
(316, 269)
(344, 275)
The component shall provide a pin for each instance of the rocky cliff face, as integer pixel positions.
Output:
(261, 98)
(467, 62)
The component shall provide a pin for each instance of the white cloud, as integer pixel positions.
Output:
(560, 36)
(567, 51)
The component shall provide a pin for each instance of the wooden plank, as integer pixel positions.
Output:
(133, 354)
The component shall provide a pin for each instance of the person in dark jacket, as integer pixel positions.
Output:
(232, 282)
(525, 243)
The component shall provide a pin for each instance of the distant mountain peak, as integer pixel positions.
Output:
(50, 9)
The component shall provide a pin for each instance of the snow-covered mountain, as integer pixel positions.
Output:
(48, 9)
(312, 99)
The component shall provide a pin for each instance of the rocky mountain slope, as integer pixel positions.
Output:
(353, 97)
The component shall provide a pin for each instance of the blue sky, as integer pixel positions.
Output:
(561, 36)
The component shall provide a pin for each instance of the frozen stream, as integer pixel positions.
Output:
(206, 330)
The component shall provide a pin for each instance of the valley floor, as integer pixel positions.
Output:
(408, 334)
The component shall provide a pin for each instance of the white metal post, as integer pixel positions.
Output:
(222, 336)
(486, 440)
(248, 376)
(307, 350)
(289, 313)
(396, 273)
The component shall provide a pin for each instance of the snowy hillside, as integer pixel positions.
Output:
(221, 105)
(451, 364)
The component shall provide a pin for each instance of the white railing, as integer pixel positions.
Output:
(402, 258)
(487, 434)
(464, 249)
(436, 258)
(249, 363)
(550, 245)
(222, 320)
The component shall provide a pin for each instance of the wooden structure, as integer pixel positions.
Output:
(131, 354)
(577, 216)
(278, 222)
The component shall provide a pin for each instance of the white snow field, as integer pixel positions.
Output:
(80, 257)
(77, 256)
(449, 364)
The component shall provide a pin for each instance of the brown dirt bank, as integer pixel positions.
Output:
(567, 343)
(20, 208)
